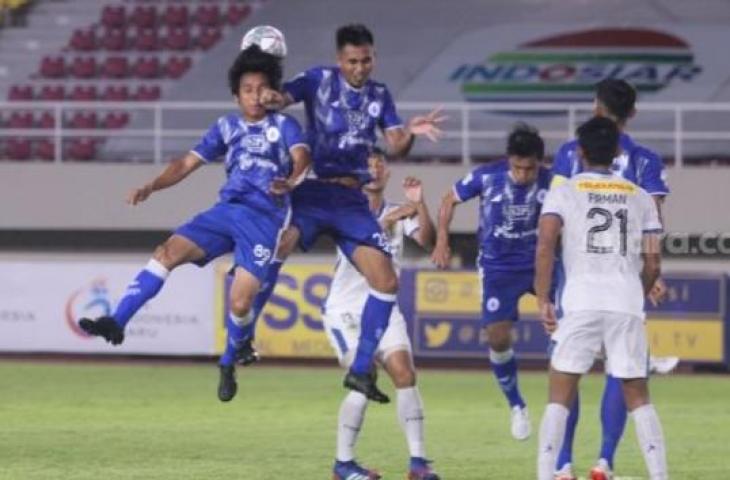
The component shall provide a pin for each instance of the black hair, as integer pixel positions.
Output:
(525, 141)
(254, 60)
(375, 150)
(599, 137)
(618, 96)
(355, 34)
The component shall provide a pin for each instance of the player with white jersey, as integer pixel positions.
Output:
(615, 99)
(342, 320)
(609, 229)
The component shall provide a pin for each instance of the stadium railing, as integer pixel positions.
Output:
(468, 122)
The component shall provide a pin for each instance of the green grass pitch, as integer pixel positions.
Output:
(163, 421)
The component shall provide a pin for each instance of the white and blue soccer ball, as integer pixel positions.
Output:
(268, 38)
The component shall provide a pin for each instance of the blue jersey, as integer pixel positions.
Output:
(254, 154)
(636, 164)
(341, 120)
(508, 215)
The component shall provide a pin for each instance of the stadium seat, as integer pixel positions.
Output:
(80, 149)
(20, 92)
(46, 120)
(18, 148)
(114, 120)
(209, 37)
(44, 149)
(177, 66)
(178, 38)
(113, 16)
(146, 40)
(83, 67)
(116, 67)
(114, 40)
(115, 93)
(83, 40)
(176, 15)
(52, 93)
(82, 119)
(237, 13)
(147, 67)
(53, 67)
(144, 16)
(83, 93)
(147, 93)
(20, 120)
(208, 15)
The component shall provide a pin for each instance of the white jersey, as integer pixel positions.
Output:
(604, 218)
(349, 289)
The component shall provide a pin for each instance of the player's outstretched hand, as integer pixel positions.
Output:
(281, 186)
(272, 99)
(139, 195)
(413, 190)
(548, 317)
(441, 255)
(428, 125)
(658, 292)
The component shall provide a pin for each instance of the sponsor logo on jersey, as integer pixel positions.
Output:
(606, 186)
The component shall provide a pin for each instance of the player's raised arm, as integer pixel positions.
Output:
(425, 234)
(300, 157)
(441, 255)
(176, 171)
(400, 140)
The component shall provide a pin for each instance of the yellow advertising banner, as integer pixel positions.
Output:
(693, 340)
(291, 324)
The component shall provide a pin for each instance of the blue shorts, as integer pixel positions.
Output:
(501, 294)
(251, 235)
(339, 211)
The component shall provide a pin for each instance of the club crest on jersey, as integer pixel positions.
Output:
(374, 109)
(492, 304)
(272, 134)
(541, 195)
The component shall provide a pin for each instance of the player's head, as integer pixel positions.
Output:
(355, 53)
(252, 72)
(615, 99)
(378, 165)
(598, 142)
(525, 149)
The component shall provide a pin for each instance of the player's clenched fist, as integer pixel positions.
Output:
(272, 99)
(413, 189)
(139, 195)
(441, 256)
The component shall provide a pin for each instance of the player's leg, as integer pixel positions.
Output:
(563, 387)
(627, 359)
(175, 251)
(613, 421)
(564, 466)
(500, 298)
(341, 329)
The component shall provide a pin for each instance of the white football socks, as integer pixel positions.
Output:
(410, 416)
(552, 431)
(349, 422)
(651, 441)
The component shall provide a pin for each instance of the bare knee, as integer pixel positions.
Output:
(499, 336)
(403, 376)
(386, 282)
(166, 255)
(240, 304)
(636, 393)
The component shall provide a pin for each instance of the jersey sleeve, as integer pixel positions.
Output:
(652, 176)
(389, 117)
(213, 144)
(304, 85)
(410, 225)
(650, 215)
(469, 186)
(555, 203)
(562, 168)
(292, 133)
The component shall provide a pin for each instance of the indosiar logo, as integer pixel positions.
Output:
(89, 301)
(565, 67)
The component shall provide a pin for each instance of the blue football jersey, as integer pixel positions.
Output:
(636, 164)
(508, 215)
(341, 120)
(254, 154)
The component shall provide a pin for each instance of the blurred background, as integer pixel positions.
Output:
(97, 96)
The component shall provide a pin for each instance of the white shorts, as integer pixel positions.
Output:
(581, 336)
(343, 331)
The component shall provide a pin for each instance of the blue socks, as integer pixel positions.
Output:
(504, 366)
(375, 318)
(145, 286)
(237, 327)
(566, 451)
(613, 417)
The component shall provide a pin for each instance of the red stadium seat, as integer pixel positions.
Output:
(144, 16)
(178, 38)
(18, 149)
(83, 93)
(20, 92)
(147, 67)
(53, 67)
(52, 93)
(44, 149)
(115, 93)
(147, 40)
(83, 149)
(176, 15)
(208, 15)
(83, 67)
(147, 93)
(209, 37)
(83, 40)
(46, 120)
(83, 119)
(113, 16)
(114, 120)
(20, 120)
(177, 66)
(237, 13)
(116, 67)
(114, 40)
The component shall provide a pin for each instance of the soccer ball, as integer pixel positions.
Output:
(268, 38)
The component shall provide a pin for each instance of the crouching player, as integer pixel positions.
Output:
(342, 317)
(511, 192)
